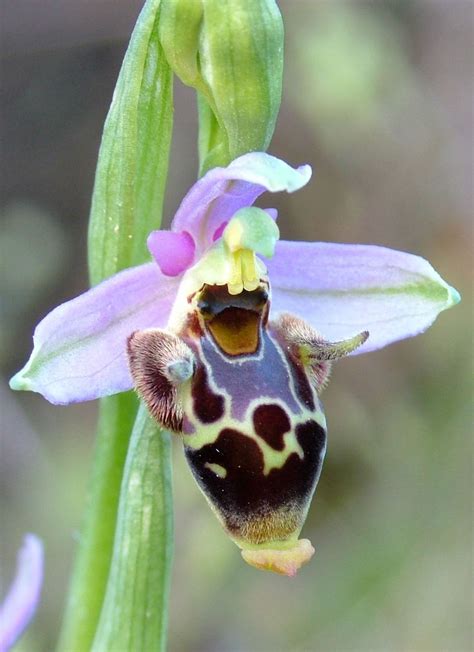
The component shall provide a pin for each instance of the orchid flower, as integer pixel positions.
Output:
(20, 603)
(191, 330)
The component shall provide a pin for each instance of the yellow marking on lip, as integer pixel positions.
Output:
(272, 459)
(208, 433)
(217, 469)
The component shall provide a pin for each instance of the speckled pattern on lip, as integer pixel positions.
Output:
(253, 428)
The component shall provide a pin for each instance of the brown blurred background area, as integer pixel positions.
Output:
(378, 99)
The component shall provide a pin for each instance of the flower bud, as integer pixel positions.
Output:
(231, 52)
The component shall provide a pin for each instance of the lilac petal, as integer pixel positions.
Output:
(174, 252)
(223, 191)
(80, 348)
(342, 289)
(20, 603)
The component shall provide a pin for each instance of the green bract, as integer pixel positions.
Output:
(133, 158)
(126, 204)
(231, 52)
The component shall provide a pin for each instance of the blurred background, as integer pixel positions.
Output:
(378, 99)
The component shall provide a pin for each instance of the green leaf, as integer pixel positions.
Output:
(134, 613)
(133, 158)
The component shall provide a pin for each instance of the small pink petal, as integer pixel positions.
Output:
(174, 252)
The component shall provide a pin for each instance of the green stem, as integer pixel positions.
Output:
(135, 609)
(117, 414)
(126, 205)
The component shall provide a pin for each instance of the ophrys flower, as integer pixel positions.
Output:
(246, 348)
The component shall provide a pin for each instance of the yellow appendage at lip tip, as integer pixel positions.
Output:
(285, 561)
